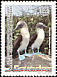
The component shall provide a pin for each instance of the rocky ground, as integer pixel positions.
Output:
(34, 61)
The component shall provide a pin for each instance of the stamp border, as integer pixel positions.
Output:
(3, 36)
(56, 37)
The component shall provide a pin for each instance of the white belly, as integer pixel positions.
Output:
(24, 44)
(25, 41)
(39, 39)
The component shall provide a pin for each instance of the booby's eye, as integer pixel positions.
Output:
(39, 26)
(20, 25)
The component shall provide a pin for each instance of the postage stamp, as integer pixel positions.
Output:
(28, 38)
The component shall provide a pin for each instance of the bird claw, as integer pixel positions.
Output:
(35, 53)
(38, 53)
(41, 53)
(29, 55)
(21, 57)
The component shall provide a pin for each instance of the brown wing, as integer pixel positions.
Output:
(32, 39)
(17, 44)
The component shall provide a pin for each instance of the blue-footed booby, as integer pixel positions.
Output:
(22, 41)
(37, 39)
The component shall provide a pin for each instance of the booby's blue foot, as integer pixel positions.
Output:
(21, 57)
(29, 55)
(35, 53)
(41, 53)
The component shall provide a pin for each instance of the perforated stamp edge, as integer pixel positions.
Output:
(53, 4)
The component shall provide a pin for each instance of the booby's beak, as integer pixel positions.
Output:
(45, 26)
(18, 27)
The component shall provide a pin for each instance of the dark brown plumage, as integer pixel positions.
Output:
(32, 40)
(17, 44)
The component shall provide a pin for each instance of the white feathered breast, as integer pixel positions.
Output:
(26, 36)
(39, 39)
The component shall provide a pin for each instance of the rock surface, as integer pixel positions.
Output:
(34, 61)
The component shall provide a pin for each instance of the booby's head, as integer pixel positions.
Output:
(20, 25)
(40, 26)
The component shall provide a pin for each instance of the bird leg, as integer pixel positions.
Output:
(26, 54)
(33, 51)
(25, 51)
(21, 57)
(40, 53)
